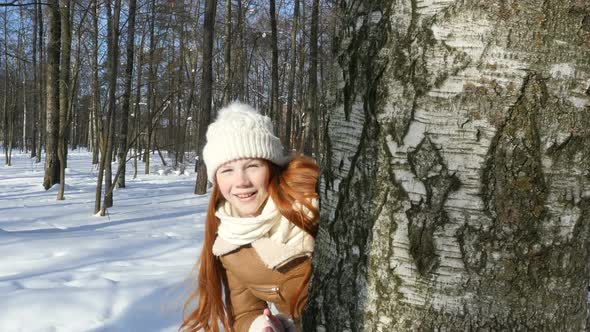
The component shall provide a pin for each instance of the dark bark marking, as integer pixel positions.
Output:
(513, 188)
(586, 23)
(427, 216)
(326, 168)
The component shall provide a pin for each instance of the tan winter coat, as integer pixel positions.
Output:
(252, 284)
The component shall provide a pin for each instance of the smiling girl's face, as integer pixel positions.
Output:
(243, 183)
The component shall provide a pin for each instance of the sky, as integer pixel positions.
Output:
(64, 269)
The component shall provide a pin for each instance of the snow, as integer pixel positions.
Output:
(64, 269)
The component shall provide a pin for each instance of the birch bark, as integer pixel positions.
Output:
(456, 194)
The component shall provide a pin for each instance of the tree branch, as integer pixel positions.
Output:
(17, 3)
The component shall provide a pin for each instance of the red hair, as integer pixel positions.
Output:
(295, 183)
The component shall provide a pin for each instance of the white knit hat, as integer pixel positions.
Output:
(240, 132)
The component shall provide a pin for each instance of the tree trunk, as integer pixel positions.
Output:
(113, 14)
(22, 75)
(97, 133)
(299, 125)
(101, 136)
(36, 93)
(455, 192)
(150, 97)
(206, 92)
(52, 128)
(241, 58)
(40, 84)
(137, 104)
(292, 72)
(64, 87)
(227, 91)
(74, 114)
(311, 145)
(126, 95)
(275, 111)
(193, 58)
(5, 107)
(180, 133)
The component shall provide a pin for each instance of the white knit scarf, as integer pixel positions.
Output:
(244, 230)
(274, 237)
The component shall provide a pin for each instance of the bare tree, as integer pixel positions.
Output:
(227, 36)
(113, 15)
(52, 166)
(311, 146)
(299, 117)
(123, 148)
(292, 72)
(240, 54)
(206, 92)
(137, 104)
(7, 109)
(95, 118)
(22, 78)
(40, 83)
(274, 76)
(74, 126)
(36, 109)
(151, 98)
(64, 96)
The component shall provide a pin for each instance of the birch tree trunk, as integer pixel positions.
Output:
(52, 127)
(123, 148)
(456, 193)
(64, 97)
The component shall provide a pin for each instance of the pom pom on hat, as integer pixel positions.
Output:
(240, 132)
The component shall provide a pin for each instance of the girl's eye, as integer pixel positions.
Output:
(227, 170)
(253, 165)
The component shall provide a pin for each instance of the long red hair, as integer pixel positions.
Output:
(294, 183)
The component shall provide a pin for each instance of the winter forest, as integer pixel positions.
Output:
(125, 79)
(453, 139)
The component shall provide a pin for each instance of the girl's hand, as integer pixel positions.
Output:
(273, 324)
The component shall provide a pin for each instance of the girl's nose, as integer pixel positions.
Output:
(242, 179)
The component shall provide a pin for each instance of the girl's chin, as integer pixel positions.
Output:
(247, 210)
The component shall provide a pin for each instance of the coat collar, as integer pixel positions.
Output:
(273, 254)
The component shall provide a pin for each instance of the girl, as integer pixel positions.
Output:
(260, 229)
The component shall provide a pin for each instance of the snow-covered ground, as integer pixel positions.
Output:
(64, 269)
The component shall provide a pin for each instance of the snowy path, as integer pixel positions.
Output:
(64, 269)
